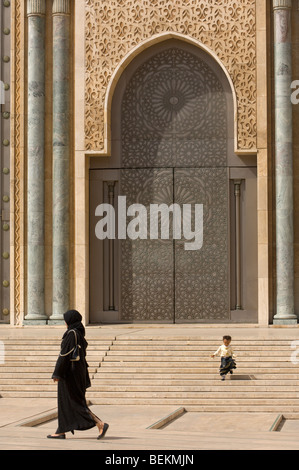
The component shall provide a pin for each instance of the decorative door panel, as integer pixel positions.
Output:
(160, 279)
(202, 276)
(147, 287)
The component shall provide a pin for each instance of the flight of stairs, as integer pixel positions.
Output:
(180, 372)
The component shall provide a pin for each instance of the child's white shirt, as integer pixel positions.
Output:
(224, 351)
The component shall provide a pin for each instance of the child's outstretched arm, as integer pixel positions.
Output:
(216, 353)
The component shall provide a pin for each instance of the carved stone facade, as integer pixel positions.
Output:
(108, 37)
(115, 28)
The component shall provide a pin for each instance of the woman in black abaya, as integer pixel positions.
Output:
(73, 380)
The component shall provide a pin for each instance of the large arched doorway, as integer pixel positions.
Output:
(172, 145)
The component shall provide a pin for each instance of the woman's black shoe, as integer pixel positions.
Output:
(62, 436)
(105, 429)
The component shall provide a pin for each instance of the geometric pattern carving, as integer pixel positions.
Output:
(147, 290)
(114, 27)
(202, 277)
(174, 114)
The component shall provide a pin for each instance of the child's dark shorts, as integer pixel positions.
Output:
(227, 365)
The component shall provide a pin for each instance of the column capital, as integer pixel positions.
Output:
(36, 7)
(61, 7)
(282, 4)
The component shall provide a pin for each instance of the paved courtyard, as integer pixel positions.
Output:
(129, 430)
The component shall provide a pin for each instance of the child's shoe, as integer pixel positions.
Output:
(223, 378)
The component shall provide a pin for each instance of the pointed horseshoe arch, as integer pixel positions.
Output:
(154, 40)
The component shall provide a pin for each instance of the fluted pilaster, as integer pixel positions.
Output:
(35, 163)
(61, 7)
(61, 157)
(282, 5)
(36, 7)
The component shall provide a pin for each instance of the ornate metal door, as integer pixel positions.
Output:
(160, 279)
(138, 278)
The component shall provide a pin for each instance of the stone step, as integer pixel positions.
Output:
(189, 404)
(124, 375)
(250, 391)
(200, 393)
(208, 408)
(203, 349)
(145, 379)
(203, 343)
(193, 366)
(33, 387)
(184, 398)
(98, 381)
(169, 357)
(216, 386)
(190, 370)
(50, 348)
(37, 369)
(43, 350)
(46, 356)
(274, 355)
(53, 341)
(156, 381)
(9, 376)
(26, 361)
(195, 399)
(22, 394)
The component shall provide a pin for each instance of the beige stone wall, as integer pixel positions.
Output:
(264, 157)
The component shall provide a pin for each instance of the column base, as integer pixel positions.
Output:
(285, 321)
(30, 322)
(53, 320)
(56, 322)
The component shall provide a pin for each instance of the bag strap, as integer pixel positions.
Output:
(75, 335)
(63, 355)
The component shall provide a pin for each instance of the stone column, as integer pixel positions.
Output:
(284, 163)
(36, 10)
(61, 157)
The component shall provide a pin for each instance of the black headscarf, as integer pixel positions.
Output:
(73, 320)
